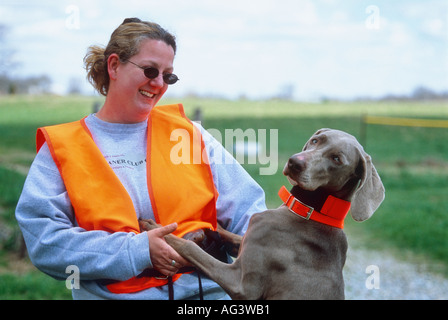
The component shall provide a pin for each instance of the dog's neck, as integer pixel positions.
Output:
(314, 199)
(317, 198)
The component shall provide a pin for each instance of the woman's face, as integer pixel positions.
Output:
(131, 94)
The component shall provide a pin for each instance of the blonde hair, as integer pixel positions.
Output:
(125, 42)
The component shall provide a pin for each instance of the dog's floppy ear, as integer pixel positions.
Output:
(370, 192)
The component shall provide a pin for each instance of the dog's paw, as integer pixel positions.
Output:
(147, 225)
(196, 236)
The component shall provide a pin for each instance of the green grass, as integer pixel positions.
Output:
(412, 162)
(32, 286)
(414, 216)
(20, 116)
(10, 189)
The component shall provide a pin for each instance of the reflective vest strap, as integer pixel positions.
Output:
(180, 192)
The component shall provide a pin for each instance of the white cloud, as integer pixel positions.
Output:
(399, 35)
(436, 27)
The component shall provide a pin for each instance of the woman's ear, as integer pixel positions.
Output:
(112, 65)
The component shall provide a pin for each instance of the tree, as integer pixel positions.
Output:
(14, 85)
(423, 93)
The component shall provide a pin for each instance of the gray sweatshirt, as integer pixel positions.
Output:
(56, 243)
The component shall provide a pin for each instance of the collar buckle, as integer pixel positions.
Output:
(291, 207)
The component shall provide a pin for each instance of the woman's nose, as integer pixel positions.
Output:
(157, 82)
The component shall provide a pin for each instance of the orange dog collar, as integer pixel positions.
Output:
(332, 213)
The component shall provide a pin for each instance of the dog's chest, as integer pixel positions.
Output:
(305, 243)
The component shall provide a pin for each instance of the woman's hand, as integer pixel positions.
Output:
(163, 257)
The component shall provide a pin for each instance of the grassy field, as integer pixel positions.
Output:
(412, 162)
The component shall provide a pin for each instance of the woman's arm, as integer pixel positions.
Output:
(54, 241)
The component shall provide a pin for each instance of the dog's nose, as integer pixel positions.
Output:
(297, 163)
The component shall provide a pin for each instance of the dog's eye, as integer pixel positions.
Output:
(336, 159)
(314, 141)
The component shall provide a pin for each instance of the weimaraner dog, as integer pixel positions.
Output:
(300, 255)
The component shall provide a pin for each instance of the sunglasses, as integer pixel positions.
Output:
(152, 73)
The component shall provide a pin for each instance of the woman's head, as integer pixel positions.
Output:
(125, 42)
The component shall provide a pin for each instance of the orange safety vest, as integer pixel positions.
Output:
(179, 192)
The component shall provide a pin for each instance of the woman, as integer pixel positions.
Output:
(92, 179)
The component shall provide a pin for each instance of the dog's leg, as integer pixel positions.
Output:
(147, 225)
(226, 275)
(232, 241)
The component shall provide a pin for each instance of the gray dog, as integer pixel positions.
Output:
(298, 250)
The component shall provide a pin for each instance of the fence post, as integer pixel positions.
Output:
(96, 107)
(363, 131)
(198, 116)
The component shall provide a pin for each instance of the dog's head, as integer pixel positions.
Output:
(334, 161)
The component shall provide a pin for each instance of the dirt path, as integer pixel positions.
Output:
(385, 275)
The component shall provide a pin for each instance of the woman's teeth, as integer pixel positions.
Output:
(147, 94)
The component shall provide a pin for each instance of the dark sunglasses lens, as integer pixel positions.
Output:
(170, 78)
(151, 73)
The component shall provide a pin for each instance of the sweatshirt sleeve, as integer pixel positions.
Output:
(54, 241)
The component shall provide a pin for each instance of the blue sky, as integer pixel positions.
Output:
(336, 48)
